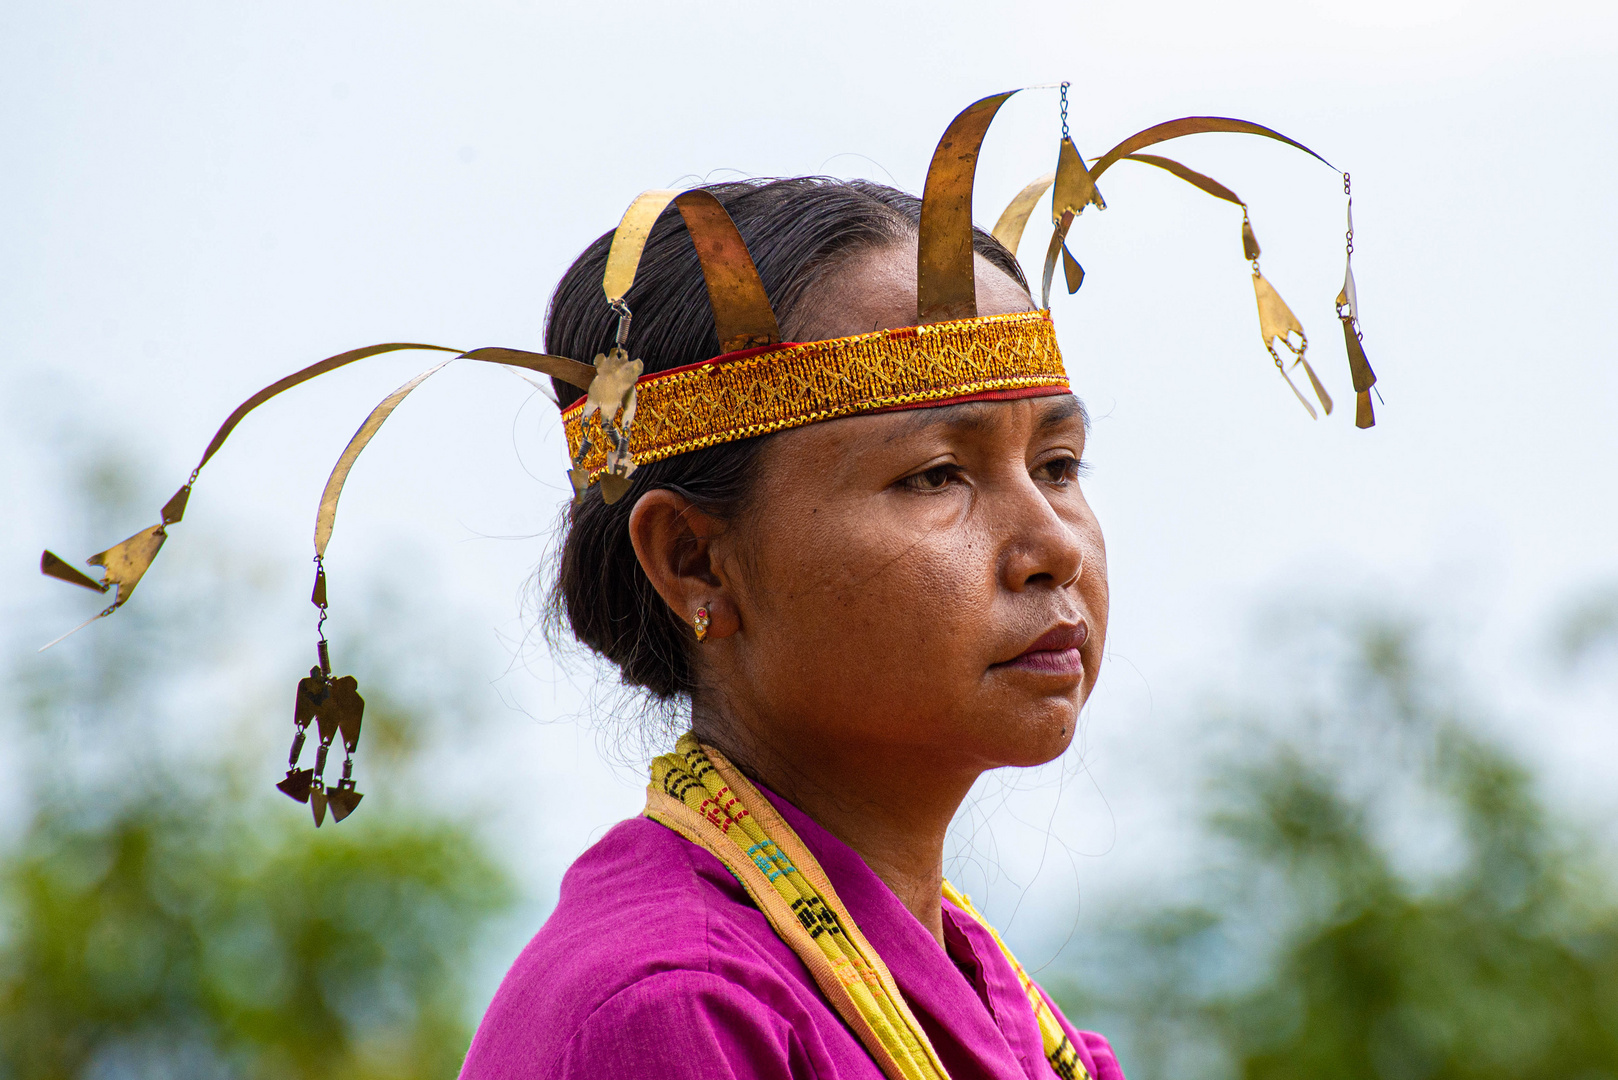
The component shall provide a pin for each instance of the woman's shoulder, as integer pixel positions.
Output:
(651, 938)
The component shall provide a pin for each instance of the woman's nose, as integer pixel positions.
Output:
(1038, 548)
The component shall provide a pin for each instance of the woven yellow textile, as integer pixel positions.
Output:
(699, 794)
(761, 391)
(1059, 1049)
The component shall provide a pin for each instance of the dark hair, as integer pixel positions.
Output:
(797, 230)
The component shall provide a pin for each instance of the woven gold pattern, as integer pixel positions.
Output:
(721, 400)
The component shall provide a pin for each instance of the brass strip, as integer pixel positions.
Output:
(571, 372)
(1054, 250)
(629, 240)
(743, 318)
(327, 516)
(1014, 218)
(946, 282)
(1190, 176)
(331, 363)
(1193, 125)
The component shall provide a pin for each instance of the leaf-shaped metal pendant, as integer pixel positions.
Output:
(1072, 271)
(1275, 319)
(345, 709)
(1075, 188)
(1348, 299)
(311, 695)
(174, 509)
(1276, 323)
(613, 487)
(1314, 381)
(126, 563)
(1358, 366)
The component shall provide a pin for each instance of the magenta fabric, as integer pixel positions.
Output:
(656, 963)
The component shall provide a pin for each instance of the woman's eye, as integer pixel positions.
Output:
(933, 479)
(1061, 470)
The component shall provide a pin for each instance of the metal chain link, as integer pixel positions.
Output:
(320, 624)
(1348, 237)
(1065, 85)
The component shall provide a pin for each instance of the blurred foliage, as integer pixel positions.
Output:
(1589, 627)
(1385, 894)
(166, 913)
(175, 935)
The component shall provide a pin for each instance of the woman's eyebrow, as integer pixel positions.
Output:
(977, 416)
(965, 416)
(1061, 410)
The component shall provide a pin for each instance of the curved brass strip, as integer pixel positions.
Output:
(331, 363)
(742, 314)
(1053, 251)
(571, 372)
(946, 283)
(327, 517)
(1014, 218)
(1193, 125)
(629, 240)
(1190, 176)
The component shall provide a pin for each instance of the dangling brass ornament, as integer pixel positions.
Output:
(611, 397)
(1276, 323)
(335, 707)
(1348, 311)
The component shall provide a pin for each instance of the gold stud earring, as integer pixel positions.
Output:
(700, 623)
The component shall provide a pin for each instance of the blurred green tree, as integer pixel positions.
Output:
(1390, 897)
(164, 918)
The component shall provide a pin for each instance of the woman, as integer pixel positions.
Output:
(896, 602)
(826, 466)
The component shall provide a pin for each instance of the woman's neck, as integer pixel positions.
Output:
(890, 805)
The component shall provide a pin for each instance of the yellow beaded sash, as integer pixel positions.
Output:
(699, 794)
(758, 391)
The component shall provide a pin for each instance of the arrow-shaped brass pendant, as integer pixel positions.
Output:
(343, 799)
(53, 565)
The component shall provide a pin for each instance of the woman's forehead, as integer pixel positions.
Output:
(876, 290)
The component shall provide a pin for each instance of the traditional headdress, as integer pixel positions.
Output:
(758, 384)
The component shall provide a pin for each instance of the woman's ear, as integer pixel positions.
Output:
(674, 542)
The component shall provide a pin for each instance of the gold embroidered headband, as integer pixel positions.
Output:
(759, 384)
(759, 391)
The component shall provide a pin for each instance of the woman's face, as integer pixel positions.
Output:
(929, 581)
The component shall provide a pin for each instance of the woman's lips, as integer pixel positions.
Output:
(1055, 653)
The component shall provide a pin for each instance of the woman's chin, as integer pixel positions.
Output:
(1031, 735)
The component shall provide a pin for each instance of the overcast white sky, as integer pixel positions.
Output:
(198, 198)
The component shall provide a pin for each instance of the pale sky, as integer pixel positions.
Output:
(199, 198)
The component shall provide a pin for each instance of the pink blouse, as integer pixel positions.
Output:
(656, 963)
